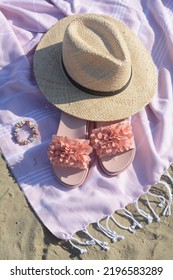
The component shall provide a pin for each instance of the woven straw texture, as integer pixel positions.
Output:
(101, 48)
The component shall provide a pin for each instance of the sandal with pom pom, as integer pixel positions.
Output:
(69, 151)
(114, 145)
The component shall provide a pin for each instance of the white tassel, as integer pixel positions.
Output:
(152, 210)
(130, 215)
(111, 234)
(107, 225)
(81, 250)
(167, 210)
(85, 243)
(100, 243)
(162, 199)
(143, 213)
(121, 226)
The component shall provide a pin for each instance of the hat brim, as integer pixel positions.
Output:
(55, 85)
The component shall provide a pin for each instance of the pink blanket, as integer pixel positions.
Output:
(65, 211)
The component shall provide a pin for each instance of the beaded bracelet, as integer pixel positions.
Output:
(28, 140)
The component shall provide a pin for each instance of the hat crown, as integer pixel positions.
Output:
(95, 54)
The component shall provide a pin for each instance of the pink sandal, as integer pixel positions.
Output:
(69, 154)
(114, 145)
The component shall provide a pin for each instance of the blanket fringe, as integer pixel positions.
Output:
(143, 213)
(129, 228)
(81, 250)
(167, 211)
(73, 241)
(109, 233)
(162, 199)
(162, 202)
(102, 244)
(152, 210)
(135, 222)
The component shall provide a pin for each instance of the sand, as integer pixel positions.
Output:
(24, 237)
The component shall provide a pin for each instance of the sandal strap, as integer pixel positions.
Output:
(112, 139)
(68, 152)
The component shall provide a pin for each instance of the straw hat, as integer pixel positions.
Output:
(95, 68)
